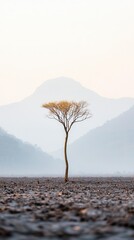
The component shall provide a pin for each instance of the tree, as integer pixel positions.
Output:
(67, 113)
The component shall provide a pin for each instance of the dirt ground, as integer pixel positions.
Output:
(83, 208)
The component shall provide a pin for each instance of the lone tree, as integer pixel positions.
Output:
(67, 113)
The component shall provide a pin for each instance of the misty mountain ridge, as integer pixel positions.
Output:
(22, 159)
(28, 119)
(108, 149)
(68, 84)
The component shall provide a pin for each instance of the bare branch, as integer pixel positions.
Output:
(68, 113)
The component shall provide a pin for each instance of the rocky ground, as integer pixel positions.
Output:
(83, 208)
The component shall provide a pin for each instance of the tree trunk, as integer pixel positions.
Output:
(66, 161)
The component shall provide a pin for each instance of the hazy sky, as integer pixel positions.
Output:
(91, 41)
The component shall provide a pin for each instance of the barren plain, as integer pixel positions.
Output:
(83, 208)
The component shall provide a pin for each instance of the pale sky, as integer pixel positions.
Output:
(91, 41)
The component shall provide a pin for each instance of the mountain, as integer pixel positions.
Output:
(108, 149)
(22, 159)
(27, 119)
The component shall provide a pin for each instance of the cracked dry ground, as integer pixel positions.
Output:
(83, 208)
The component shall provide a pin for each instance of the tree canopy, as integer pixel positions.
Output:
(68, 112)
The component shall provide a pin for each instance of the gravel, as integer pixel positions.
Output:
(83, 208)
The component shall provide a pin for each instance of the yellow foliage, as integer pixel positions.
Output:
(68, 112)
(62, 105)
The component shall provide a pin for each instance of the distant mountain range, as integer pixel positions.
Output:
(108, 149)
(27, 120)
(18, 158)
